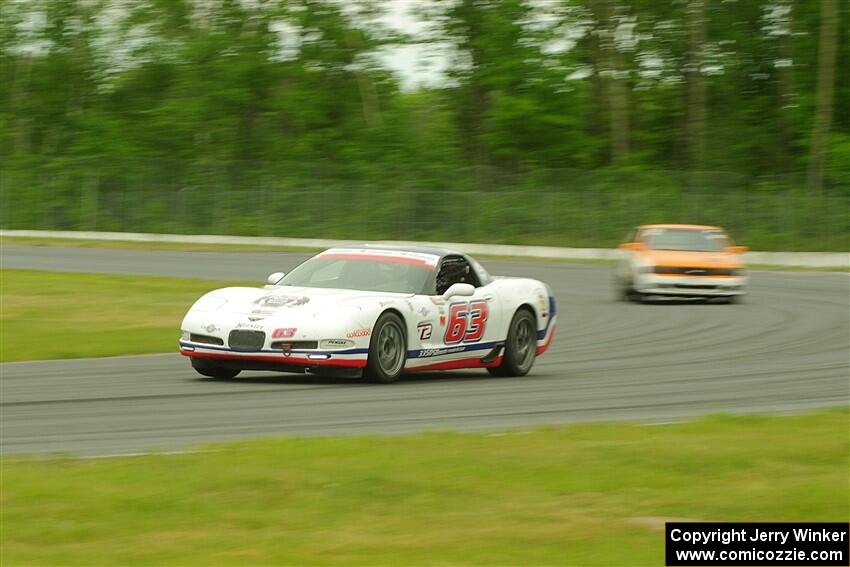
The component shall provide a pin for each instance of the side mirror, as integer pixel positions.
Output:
(736, 249)
(633, 246)
(459, 289)
(274, 278)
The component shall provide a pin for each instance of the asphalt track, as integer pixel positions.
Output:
(787, 348)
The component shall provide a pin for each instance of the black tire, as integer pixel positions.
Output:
(625, 292)
(213, 370)
(520, 346)
(387, 350)
(634, 296)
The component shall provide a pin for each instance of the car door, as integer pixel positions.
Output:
(466, 323)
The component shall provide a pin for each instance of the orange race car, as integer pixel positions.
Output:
(680, 260)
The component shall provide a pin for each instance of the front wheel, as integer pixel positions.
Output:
(212, 370)
(387, 350)
(520, 346)
(626, 292)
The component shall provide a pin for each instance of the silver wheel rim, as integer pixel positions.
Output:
(524, 343)
(390, 348)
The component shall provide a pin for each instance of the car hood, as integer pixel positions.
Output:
(687, 259)
(285, 301)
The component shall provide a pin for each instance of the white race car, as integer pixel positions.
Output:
(376, 312)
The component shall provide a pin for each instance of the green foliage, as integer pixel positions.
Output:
(275, 118)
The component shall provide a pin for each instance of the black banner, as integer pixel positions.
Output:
(769, 543)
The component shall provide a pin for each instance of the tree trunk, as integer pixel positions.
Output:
(786, 93)
(618, 94)
(22, 141)
(825, 88)
(696, 84)
(369, 101)
(619, 105)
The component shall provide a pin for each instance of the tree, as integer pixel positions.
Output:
(696, 83)
(825, 86)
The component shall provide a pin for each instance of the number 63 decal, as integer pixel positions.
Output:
(466, 322)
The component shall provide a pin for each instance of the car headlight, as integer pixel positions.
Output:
(185, 335)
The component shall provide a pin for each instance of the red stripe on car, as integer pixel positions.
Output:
(542, 348)
(379, 258)
(342, 362)
(456, 364)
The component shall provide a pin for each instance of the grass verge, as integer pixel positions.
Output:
(594, 494)
(189, 247)
(134, 245)
(49, 315)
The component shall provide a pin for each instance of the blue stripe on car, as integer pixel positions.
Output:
(444, 350)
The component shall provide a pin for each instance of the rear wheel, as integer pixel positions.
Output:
(212, 370)
(520, 346)
(387, 350)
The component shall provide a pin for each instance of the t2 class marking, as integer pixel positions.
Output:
(425, 330)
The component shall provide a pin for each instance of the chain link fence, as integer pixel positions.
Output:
(548, 207)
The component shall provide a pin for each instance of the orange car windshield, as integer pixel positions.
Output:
(686, 239)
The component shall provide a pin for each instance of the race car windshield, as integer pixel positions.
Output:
(361, 274)
(688, 240)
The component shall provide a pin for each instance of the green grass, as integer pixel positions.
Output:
(152, 245)
(594, 494)
(190, 247)
(48, 315)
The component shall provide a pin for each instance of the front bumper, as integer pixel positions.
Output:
(314, 361)
(691, 286)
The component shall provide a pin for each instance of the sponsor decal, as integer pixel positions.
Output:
(286, 333)
(425, 353)
(543, 301)
(211, 328)
(276, 301)
(425, 330)
(256, 326)
(442, 320)
(336, 342)
(359, 333)
(424, 311)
